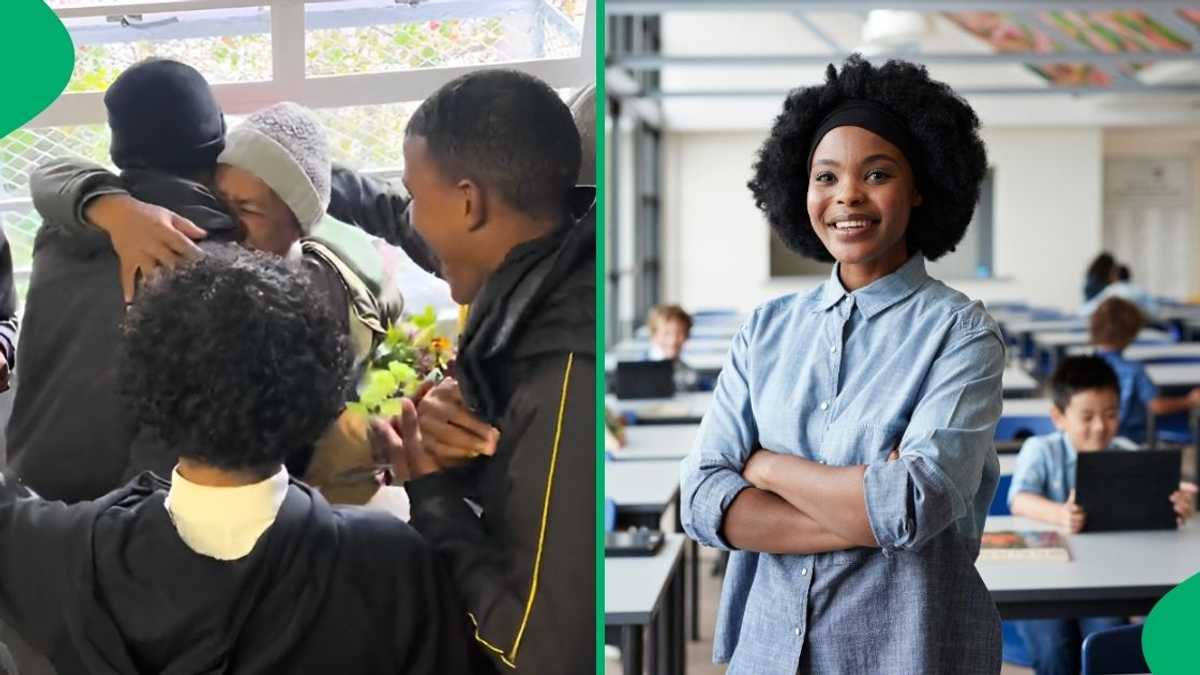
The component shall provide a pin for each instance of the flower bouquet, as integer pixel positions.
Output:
(411, 354)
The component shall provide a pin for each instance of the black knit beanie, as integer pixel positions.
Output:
(163, 116)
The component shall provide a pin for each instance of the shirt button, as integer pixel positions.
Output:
(833, 350)
(803, 571)
(797, 630)
(824, 405)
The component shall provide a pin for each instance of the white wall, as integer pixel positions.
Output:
(1048, 205)
(1161, 143)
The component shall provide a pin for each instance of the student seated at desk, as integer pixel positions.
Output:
(1122, 287)
(1114, 326)
(1085, 407)
(670, 327)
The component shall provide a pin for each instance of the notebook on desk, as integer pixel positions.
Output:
(1127, 490)
(645, 379)
(1025, 545)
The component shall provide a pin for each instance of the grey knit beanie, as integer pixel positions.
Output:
(285, 146)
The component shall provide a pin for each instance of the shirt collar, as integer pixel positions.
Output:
(1071, 452)
(879, 294)
(224, 522)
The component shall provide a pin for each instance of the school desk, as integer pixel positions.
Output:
(1110, 573)
(643, 491)
(641, 593)
(1175, 350)
(684, 408)
(656, 442)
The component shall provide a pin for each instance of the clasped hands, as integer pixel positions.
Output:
(434, 433)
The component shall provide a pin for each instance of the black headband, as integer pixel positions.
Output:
(876, 119)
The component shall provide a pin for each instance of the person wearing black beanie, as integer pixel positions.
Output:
(163, 115)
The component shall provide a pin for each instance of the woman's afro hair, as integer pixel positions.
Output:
(942, 125)
(234, 360)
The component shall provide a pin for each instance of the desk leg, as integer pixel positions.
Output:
(694, 573)
(660, 638)
(1194, 420)
(631, 649)
(680, 644)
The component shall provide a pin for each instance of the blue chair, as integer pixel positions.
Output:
(1114, 651)
(610, 515)
(1175, 428)
(999, 505)
(1013, 648)
(1012, 428)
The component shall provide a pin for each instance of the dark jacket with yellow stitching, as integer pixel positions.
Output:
(525, 567)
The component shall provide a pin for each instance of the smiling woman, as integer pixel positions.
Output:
(846, 459)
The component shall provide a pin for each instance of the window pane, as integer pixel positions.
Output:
(23, 149)
(368, 138)
(227, 45)
(370, 36)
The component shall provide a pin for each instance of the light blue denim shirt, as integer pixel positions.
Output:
(840, 378)
(1046, 466)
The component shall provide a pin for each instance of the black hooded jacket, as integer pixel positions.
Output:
(68, 436)
(526, 566)
(109, 587)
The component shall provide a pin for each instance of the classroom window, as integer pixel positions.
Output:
(382, 36)
(227, 45)
(363, 66)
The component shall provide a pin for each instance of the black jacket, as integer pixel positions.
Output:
(526, 567)
(69, 436)
(109, 587)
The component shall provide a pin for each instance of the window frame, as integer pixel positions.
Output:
(289, 80)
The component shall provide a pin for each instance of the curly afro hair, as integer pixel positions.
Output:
(941, 123)
(234, 361)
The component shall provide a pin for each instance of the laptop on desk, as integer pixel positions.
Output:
(1127, 490)
(645, 379)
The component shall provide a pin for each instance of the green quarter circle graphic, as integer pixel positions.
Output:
(38, 58)
(1170, 631)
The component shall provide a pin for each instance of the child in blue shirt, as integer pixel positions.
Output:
(1086, 411)
(1114, 326)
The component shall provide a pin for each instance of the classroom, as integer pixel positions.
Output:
(797, 452)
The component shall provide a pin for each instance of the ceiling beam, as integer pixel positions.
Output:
(660, 61)
(817, 32)
(624, 7)
(964, 91)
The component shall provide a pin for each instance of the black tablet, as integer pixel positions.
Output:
(1127, 490)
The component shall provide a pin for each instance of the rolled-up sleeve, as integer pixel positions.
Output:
(711, 475)
(1031, 473)
(944, 449)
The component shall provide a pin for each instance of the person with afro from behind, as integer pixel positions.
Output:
(233, 566)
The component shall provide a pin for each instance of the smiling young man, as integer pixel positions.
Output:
(491, 161)
(847, 457)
